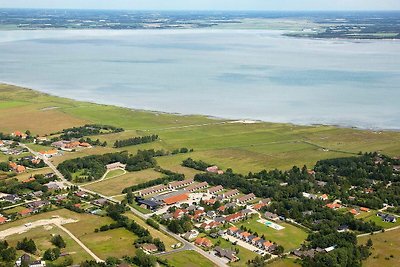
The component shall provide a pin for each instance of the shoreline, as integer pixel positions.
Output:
(211, 117)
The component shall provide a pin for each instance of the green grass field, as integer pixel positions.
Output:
(114, 173)
(243, 147)
(384, 245)
(287, 262)
(114, 186)
(290, 238)
(188, 259)
(42, 236)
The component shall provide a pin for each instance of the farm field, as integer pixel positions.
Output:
(243, 147)
(188, 259)
(290, 238)
(114, 186)
(384, 245)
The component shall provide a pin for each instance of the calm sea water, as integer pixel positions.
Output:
(226, 73)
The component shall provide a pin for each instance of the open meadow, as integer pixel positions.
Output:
(385, 249)
(188, 258)
(243, 147)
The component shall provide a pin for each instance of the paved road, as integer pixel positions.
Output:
(186, 245)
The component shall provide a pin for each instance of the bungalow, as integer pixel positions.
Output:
(203, 242)
(231, 193)
(244, 236)
(214, 169)
(246, 212)
(396, 168)
(38, 204)
(115, 165)
(2, 219)
(179, 184)
(321, 183)
(49, 153)
(210, 202)
(191, 235)
(324, 197)
(246, 198)
(198, 214)
(149, 248)
(234, 217)
(364, 209)
(100, 202)
(210, 225)
(226, 253)
(211, 214)
(196, 187)
(11, 198)
(19, 134)
(267, 245)
(53, 185)
(387, 217)
(309, 196)
(265, 201)
(232, 230)
(271, 216)
(1, 143)
(221, 209)
(179, 213)
(255, 240)
(258, 206)
(354, 212)
(81, 194)
(25, 212)
(334, 206)
(152, 190)
(215, 189)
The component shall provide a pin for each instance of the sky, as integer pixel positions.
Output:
(207, 4)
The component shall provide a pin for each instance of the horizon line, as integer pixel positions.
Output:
(205, 10)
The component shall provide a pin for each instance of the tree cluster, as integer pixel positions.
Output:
(135, 141)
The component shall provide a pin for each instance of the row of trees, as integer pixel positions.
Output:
(87, 130)
(197, 165)
(136, 141)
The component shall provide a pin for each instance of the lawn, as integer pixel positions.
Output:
(378, 221)
(32, 172)
(188, 258)
(168, 240)
(287, 262)
(114, 186)
(384, 245)
(290, 238)
(114, 173)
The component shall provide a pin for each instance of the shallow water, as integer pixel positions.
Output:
(226, 73)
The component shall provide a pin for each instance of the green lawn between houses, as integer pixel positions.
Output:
(188, 258)
(290, 238)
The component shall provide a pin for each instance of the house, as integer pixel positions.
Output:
(343, 228)
(221, 209)
(210, 202)
(387, 217)
(265, 201)
(38, 204)
(246, 198)
(149, 248)
(11, 198)
(255, 240)
(364, 209)
(152, 190)
(179, 184)
(244, 236)
(324, 197)
(100, 202)
(334, 206)
(53, 185)
(198, 214)
(267, 245)
(203, 242)
(321, 183)
(226, 253)
(271, 216)
(232, 230)
(209, 226)
(49, 153)
(115, 165)
(86, 145)
(231, 193)
(179, 213)
(2, 219)
(25, 260)
(211, 214)
(258, 206)
(215, 189)
(234, 217)
(81, 194)
(19, 134)
(309, 196)
(196, 187)
(25, 212)
(246, 212)
(354, 212)
(214, 169)
(191, 235)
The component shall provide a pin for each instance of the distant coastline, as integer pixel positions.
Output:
(228, 120)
